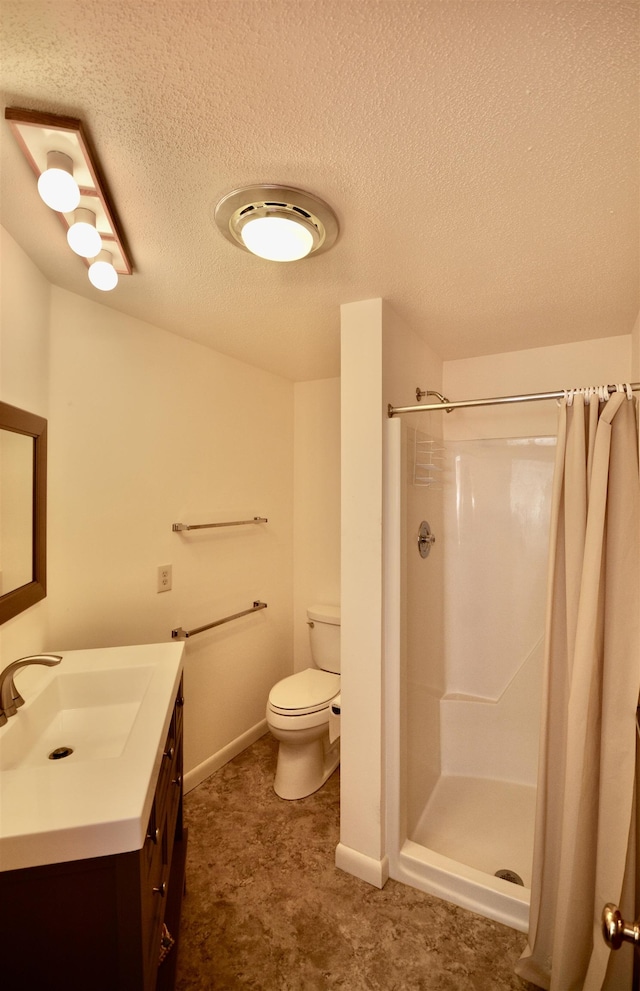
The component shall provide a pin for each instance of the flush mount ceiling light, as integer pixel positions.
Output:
(59, 151)
(277, 223)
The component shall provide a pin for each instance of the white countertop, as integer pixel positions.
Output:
(95, 802)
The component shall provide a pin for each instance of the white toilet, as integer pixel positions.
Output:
(298, 712)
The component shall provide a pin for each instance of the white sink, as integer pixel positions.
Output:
(111, 708)
(85, 715)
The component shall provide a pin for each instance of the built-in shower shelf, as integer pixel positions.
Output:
(428, 459)
(460, 697)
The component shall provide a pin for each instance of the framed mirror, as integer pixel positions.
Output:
(23, 510)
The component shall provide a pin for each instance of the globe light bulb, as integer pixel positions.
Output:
(82, 236)
(56, 185)
(102, 274)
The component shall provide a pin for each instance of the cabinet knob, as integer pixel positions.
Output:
(160, 889)
(177, 780)
(180, 700)
(153, 835)
(169, 752)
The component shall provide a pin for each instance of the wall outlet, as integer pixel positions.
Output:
(164, 578)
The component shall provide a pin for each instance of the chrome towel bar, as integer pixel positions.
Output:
(180, 634)
(206, 526)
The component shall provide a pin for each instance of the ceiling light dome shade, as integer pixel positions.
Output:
(102, 274)
(82, 236)
(277, 238)
(278, 223)
(56, 185)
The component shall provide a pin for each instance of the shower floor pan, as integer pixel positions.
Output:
(471, 828)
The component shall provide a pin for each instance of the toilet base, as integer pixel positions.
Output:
(304, 767)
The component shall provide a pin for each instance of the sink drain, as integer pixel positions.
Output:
(60, 752)
(508, 875)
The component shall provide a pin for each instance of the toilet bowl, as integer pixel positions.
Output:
(298, 712)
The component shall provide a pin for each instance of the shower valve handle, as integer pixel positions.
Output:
(615, 930)
(425, 539)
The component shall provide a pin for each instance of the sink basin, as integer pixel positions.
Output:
(89, 713)
(104, 715)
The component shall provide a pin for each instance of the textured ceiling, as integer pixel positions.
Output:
(482, 158)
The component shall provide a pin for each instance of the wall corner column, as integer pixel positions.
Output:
(362, 842)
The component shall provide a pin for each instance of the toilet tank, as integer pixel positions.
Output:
(324, 632)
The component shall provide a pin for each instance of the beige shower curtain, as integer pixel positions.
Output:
(585, 821)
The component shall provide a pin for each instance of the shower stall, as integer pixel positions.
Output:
(464, 630)
(442, 673)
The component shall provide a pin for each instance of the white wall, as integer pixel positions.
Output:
(380, 358)
(409, 364)
(147, 429)
(513, 373)
(24, 382)
(316, 500)
(361, 847)
(24, 330)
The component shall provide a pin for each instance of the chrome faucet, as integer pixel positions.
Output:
(10, 697)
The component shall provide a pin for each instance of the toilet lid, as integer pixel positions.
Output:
(306, 691)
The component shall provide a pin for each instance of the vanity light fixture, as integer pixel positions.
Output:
(58, 149)
(278, 223)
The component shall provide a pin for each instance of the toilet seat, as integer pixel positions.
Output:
(304, 693)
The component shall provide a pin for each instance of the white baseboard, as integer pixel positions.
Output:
(222, 757)
(368, 869)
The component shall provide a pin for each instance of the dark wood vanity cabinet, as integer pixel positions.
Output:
(97, 925)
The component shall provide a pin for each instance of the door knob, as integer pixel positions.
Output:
(616, 931)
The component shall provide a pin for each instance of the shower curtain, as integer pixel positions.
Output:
(584, 851)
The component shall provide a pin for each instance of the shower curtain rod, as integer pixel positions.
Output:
(495, 401)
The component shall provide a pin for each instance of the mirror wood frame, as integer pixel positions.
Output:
(21, 422)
